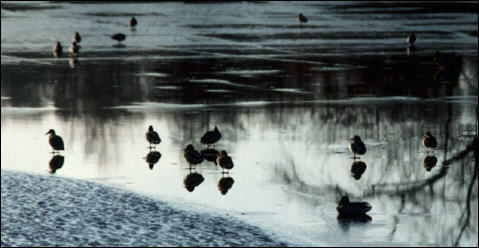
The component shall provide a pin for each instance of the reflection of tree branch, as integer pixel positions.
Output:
(416, 186)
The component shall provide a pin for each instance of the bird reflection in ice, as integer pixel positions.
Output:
(56, 163)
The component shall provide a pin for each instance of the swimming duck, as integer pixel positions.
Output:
(357, 146)
(429, 141)
(224, 184)
(411, 39)
(55, 141)
(119, 37)
(57, 49)
(224, 161)
(56, 163)
(132, 22)
(74, 49)
(192, 156)
(346, 208)
(211, 137)
(302, 18)
(152, 136)
(76, 37)
(357, 169)
(192, 180)
(152, 158)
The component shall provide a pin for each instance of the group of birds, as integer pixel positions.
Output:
(74, 48)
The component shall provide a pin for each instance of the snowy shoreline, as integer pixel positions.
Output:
(40, 210)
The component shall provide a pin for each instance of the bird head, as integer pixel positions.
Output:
(51, 131)
(223, 153)
(356, 138)
(344, 199)
(150, 128)
(189, 147)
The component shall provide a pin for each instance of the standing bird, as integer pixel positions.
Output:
(55, 141)
(152, 136)
(192, 156)
(74, 49)
(429, 141)
(357, 146)
(132, 22)
(302, 18)
(411, 39)
(119, 37)
(57, 49)
(76, 37)
(224, 161)
(347, 208)
(211, 137)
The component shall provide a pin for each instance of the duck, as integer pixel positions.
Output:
(119, 37)
(57, 49)
(152, 136)
(211, 137)
(411, 39)
(224, 161)
(192, 156)
(225, 184)
(74, 49)
(357, 169)
(302, 18)
(55, 141)
(347, 208)
(56, 163)
(132, 22)
(357, 146)
(192, 180)
(76, 37)
(152, 158)
(429, 141)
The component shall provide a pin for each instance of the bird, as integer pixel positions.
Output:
(76, 37)
(224, 161)
(357, 146)
(152, 158)
(429, 141)
(57, 49)
(347, 208)
(192, 156)
(119, 37)
(357, 169)
(56, 163)
(302, 18)
(411, 39)
(224, 184)
(55, 141)
(152, 136)
(210, 154)
(211, 137)
(132, 22)
(74, 49)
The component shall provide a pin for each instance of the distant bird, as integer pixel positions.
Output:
(429, 162)
(74, 49)
(57, 49)
(224, 184)
(152, 136)
(55, 141)
(429, 141)
(411, 39)
(224, 161)
(347, 208)
(119, 37)
(302, 18)
(132, 22)
(192, 180)
(56, 163)
(211, 137)
(152, 158)
(76, 37)
(210, 154)
(357, 146)
(192, 156)
(357, 169)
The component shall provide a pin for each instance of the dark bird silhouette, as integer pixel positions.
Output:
(411, 39)
(118, 37)
(76, 37)
(211, 137)
(132, 22)
(152, 158)
(429, 162)
(429, 141)
(56, 163)
(357, 146)
(347, 208)
(302, 18)
(192, 181)
(55, 141)
(57, 49)
(224, 161)
(210, 154)
(152, 136)
(357, 169)
(225, 184)
(192, 156)
(74, 49)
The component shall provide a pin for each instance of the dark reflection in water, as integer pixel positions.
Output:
(225, 183)
(429, 161)
(210, 154)
(56, 163)
(357, 169)
(192, 180)
(152, 158)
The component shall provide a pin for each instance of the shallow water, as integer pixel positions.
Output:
(287, 98)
